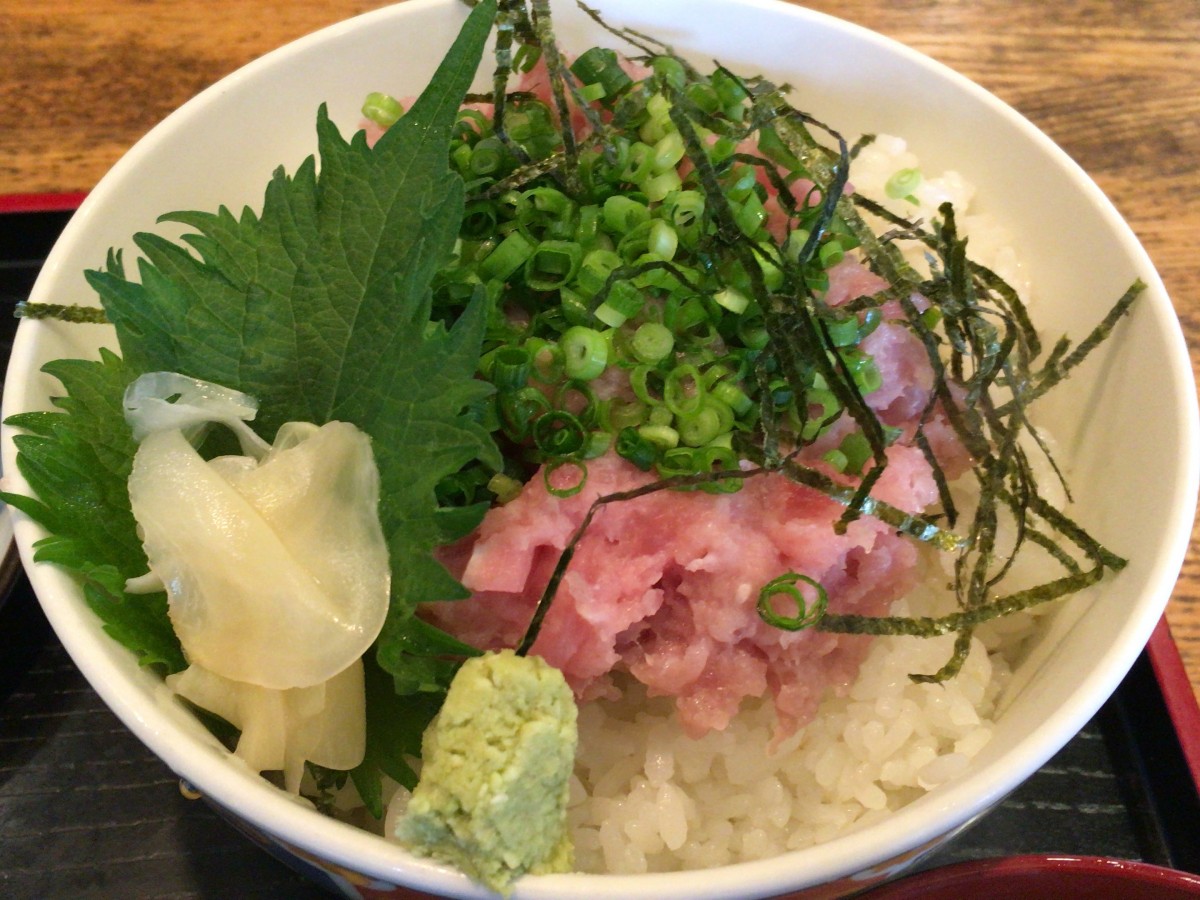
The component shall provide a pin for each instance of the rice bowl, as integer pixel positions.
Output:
(1054, 694)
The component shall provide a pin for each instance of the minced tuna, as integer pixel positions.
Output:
(665, 587)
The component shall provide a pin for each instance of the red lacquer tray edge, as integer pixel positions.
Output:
(32, 203)
(1178, 695)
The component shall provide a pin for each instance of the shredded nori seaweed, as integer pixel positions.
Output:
(74, 313)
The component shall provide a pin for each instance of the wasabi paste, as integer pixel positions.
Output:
(492, 798)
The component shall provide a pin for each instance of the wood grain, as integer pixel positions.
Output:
(1115, 82)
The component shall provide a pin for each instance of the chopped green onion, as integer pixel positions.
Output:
(663, 241)
(668, 152)
(597, 265)
(670, 70)
(574, 306)
(622, 214)
(597, 444)
(794, 244)
(781, 392)
(733, 300)
(587, 226)
(460, 156)
(870, 321)
(902, 184)
(635, 242)
(510, 254)
(683, 391)
(732, 396)
(593, 92)
(753, 333)
(510, 368)
(683, 313)
(526, 58)
(600, 65)
(624, 301)
(685, 210)
(549, 201)
(717, 457)
(610, 315)
(704, 97)
(631, 445)
(559, 433)
(864, 371)
(618, 414)
(647, 384)
(721, 149)
(479, 220)
(570, 490)
(837, 459)
(652, 342)
(505, 487)
(830, 254)
(724, 413)
(662, 436)
(842, 332)
(546, 360)
(821, 406)
(677, 461)
(700, 427)
(578, 398)
(519, 409)
(857, 450)
(659, 186)
(729, 90)
(717, 372)
(585, 352)
(640, 164)
(750, 215)
(785, 586)
(658, 119)
(552, 264)
(769, 262)
(471, 125)
(660, 415)
(382, 109)
(490, 157)
(741, 182)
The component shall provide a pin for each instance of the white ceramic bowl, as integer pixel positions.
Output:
(1131, 411)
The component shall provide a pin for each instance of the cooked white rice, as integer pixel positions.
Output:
(647, 798)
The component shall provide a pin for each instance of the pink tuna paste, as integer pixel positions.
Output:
(665, 586)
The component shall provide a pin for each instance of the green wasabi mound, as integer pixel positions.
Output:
(492, 798)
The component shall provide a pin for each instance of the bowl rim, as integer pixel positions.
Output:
(917, 824)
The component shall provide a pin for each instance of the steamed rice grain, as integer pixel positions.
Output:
(674, 802)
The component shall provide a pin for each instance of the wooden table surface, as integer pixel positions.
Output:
(1115, 82)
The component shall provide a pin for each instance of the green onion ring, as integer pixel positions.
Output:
(785, 585)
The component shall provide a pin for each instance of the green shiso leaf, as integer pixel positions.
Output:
(391, 738)
(77, 462)
(319, 306)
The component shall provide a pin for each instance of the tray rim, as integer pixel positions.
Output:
(41, 202)
(1178, 694)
